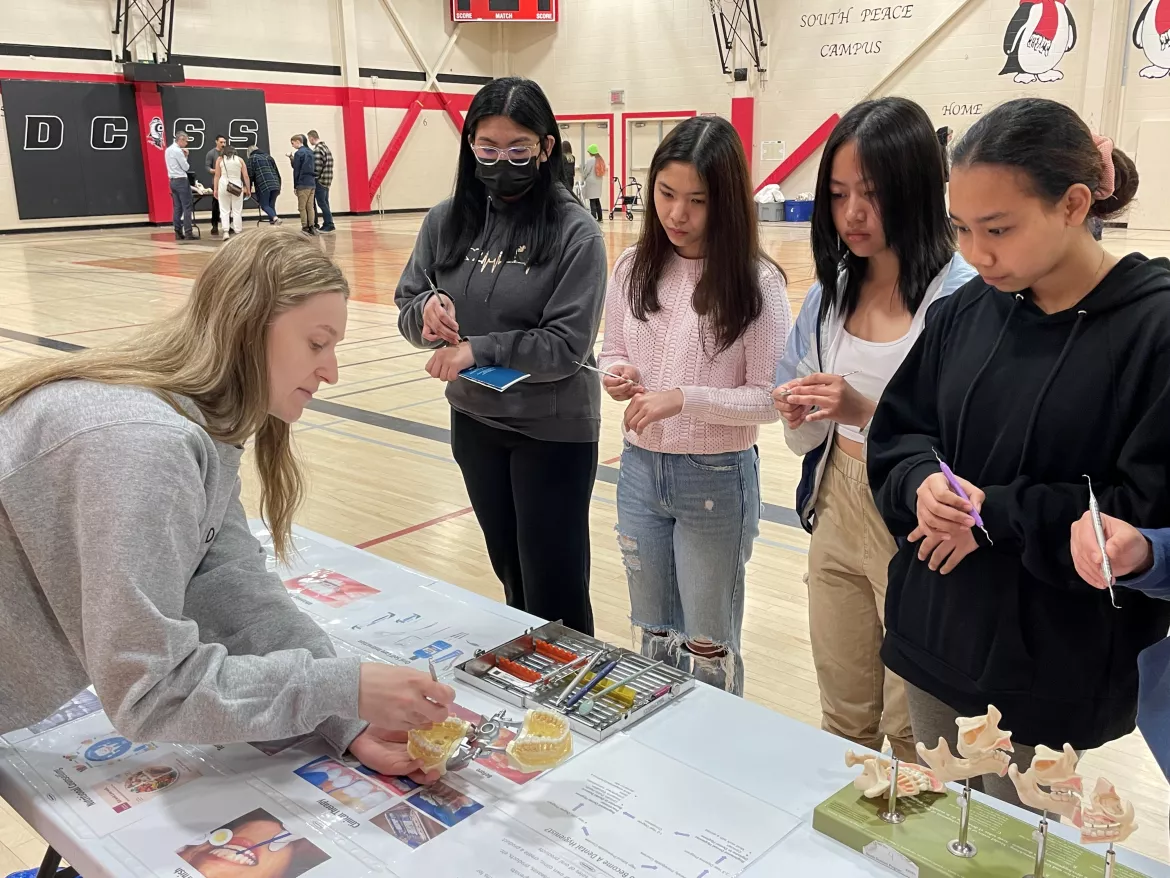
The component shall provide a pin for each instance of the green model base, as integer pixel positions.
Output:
(917, 848)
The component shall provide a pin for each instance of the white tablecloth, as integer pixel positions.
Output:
(764, 754)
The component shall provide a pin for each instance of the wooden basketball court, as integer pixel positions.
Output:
(381, 472)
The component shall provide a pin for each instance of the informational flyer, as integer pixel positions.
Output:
(242, 832)
(496, 846)
(105, 778)
(631, 810)
(419, 625)
(389, 818)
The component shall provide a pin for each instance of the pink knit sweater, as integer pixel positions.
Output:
(726, 395)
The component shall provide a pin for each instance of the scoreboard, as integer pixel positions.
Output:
(504, 10)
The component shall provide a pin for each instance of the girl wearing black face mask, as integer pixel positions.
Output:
(511, 271)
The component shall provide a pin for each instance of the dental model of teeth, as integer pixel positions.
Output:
(1106, 818)
(984, 748)
(1057, 770)
(544, 742)
(435, 746)
(874, 780)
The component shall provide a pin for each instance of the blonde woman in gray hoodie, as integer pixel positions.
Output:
(126, 561)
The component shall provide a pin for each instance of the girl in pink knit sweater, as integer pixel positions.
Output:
(696, 317)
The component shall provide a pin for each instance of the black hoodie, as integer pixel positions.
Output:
(1023, 404)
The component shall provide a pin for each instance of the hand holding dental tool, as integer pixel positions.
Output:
(784, 394)
(602, 372)
(957, 487)
(1099, 533)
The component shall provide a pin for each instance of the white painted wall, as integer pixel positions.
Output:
(661, 52)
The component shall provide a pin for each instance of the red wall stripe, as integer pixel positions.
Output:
(797, 157)
(743, 119)
(154, 163)
(394, 147)
(353, 120)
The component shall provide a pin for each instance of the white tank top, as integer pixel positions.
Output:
(874, 364)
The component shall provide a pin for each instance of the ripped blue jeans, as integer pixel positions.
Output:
(686, 526)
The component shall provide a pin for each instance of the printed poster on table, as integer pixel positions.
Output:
(238, 833)
(642, 812)
(388, 817)
(102, 776)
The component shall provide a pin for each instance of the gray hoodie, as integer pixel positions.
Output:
(539, 319)
(126, 562)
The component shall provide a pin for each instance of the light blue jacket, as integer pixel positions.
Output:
(1154, 661)
(812, 347)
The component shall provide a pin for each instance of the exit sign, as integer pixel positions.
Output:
(504, 10)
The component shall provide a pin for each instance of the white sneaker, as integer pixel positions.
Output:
(278, 221)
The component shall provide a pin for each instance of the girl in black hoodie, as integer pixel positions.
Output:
(1053, 365)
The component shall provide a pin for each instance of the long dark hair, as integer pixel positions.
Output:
(899, 154)
(536, 217)
(1054, 149)
(728, 294)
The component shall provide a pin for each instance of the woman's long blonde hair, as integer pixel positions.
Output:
(214, 352)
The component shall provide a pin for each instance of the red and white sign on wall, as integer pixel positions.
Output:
(505, 10)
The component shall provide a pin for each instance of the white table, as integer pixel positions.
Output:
(764, 754)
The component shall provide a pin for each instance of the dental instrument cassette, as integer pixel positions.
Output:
(598, 688)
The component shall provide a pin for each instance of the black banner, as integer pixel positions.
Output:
(76, 149)
(205, 113)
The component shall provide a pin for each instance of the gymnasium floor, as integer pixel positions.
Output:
(381, 473)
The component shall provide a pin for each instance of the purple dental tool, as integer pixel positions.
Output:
(958, 489)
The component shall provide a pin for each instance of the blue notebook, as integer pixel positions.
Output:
(495, 377)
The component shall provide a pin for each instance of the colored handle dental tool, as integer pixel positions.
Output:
(957, 487)
(588, 687)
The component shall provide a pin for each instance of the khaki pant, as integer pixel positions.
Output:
(847, 563)
(307, 208)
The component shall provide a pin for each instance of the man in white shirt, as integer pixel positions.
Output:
(177, 168)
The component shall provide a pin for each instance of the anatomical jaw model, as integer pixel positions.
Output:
(1107, 818)
(874, 780)
(1056, 770)
(984, 748)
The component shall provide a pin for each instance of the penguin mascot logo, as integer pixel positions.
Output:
(156, 133)
(1037, 38)
(1151, 34)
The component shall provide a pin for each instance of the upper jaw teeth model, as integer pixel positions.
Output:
(874, 780)
(1057, 770)
(1107, 818)
(984, 748)
(542, 741)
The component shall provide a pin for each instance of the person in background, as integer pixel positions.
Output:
(1054, 365)
(696, 318)
(265, 177)
(1140, 561)
(120, 488)
(177, 169)
(510, 271)
(568, 166)
(323, 165)
(231, 187)
(304, 164)
(944, 144)
(884, 252)
(210, 160)
(593, 174)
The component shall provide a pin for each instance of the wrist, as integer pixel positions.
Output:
(1147, 562)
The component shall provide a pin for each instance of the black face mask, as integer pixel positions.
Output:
(506, 180)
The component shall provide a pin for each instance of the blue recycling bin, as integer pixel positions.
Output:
(798, 211)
